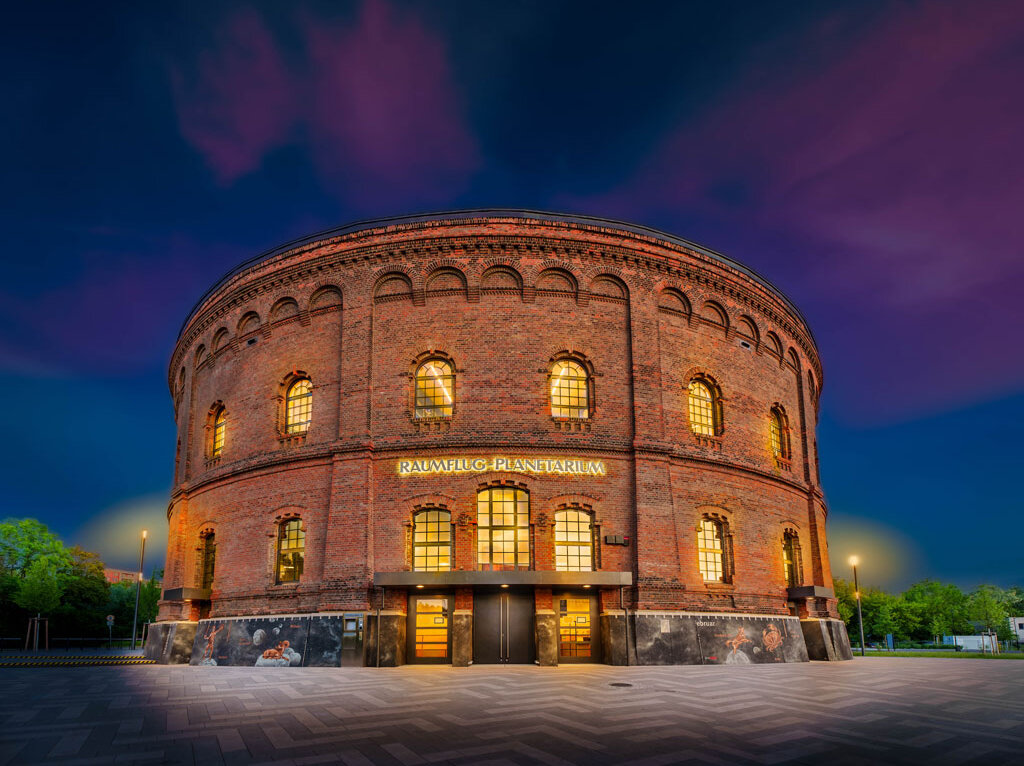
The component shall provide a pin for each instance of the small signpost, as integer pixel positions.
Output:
(110, 631)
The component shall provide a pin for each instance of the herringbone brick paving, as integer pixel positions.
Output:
(870, 711)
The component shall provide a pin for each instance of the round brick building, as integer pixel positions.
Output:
(495, 436)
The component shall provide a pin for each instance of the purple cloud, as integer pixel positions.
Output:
(375, 99)
(886, 159)
(241, 101)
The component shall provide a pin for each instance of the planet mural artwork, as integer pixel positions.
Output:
(495, 437)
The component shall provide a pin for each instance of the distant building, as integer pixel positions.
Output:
(115, 576)
(1017, 626)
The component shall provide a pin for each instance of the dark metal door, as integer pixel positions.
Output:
(503, 627)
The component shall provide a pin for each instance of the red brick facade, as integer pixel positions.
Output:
(501, 297)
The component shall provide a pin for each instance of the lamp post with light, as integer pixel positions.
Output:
(856, 592)
(138, 586)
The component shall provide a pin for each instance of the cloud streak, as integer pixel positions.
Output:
(372, 102)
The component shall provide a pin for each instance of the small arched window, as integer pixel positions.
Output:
(503, 528)
(710, 550)
(791, 558)
(574, 541)
(291, 551)
(220, 420)
(435, 389)
(209, 560)
(570, 396)
(298, 406)
(705, 408)
(432, 541)
(779, 431)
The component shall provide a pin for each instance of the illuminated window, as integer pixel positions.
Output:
(503, 528)
(791, 558)
(704, 408)
(209, 559)
(709, 550)
(219, 427)
(569, 394)
(432, 541)
(779, 430)
(291, 550)
(574, 541)
(298, 407)
(435, 389)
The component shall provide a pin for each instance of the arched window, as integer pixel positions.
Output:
(705, 408)
(710, 550)
(432, 541)
(291, 550)
(220, 417)
(435, 389)
(570, 397)
(298, 406)
(209, 560)
(791, 559)
(503, 528)
(779, 429)
(574, 541)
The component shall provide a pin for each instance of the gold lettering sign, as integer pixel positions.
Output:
(540, 465)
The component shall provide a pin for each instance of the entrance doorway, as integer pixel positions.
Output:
(577, 619)
(503, 627)
(430, 636)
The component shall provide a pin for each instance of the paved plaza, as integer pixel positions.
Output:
(868, 711)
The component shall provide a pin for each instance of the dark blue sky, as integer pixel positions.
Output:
(866, 157)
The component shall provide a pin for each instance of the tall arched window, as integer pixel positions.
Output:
(710, 550)
(209, 560)
(291, 551)
(220, 417)
(503, 528)
(432, 541)
(298, 406)
(435, 389)
(791, 558)
(779, 430)
(705, 408)
(570, 397)
(574, 541)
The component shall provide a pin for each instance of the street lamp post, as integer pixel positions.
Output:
(138, 587)
(856, 592)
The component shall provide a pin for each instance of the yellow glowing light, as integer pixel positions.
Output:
(144, 533)
(569, 396)
(854, 560)
(504, 585)
(543, 465)
(419, 586)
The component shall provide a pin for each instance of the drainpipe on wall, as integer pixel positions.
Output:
(379, 608)
(625, 619)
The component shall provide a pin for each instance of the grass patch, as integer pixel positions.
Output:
(948, 655)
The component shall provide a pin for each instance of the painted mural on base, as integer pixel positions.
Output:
(683, 639)
(271, 642)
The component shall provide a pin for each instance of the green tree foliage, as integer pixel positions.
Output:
(40, 589)
(121, 604)
(83, 608)
(987, 606)
(23, 541)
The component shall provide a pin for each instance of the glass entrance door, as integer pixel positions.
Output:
(576, 638)
(430, 637)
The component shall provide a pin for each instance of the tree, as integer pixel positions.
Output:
(944, 607)
(847, 603)
(83, 606)
(986, 606)
(40, 589)
(23, 541)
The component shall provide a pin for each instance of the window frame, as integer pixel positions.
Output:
(208, 560)
(783, 452)
(418, 545)
(792, 563)
(422, 412)
(288, 427)
(714, 408)
(565, 544)
(521, 536)
(283, 535)
(587, 388)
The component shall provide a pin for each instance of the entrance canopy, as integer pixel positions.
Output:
(508, 577)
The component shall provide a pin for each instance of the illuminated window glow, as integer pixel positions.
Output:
(219, 427)
(432, 541)
(435, 390)
(779, 434)
(709, 550)
(291, 550)
(503, 528)
(702, 409)
(790, 556)
(574, 542)
(299, 407)
(569, 395)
